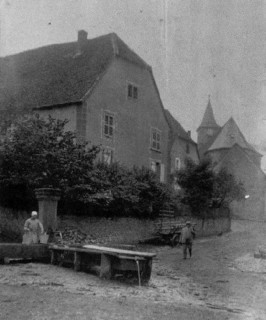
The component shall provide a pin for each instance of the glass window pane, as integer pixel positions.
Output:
(135, 93)
(110, 131)
(111, 120)
(129, 92)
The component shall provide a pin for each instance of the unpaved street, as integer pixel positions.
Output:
(221, 281)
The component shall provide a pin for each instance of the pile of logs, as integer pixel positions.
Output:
(70, 235)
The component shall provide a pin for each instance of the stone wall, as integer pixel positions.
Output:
(131, 230)
(120, 230)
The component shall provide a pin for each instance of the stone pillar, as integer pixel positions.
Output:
(47, 201)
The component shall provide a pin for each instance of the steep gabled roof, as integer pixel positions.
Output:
(208, 120)
(230, 135)
(176, 128)
(59, 73)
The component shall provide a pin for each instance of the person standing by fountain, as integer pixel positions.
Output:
(33, 229)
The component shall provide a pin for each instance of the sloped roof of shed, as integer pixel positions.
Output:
(59, 73)
(177, 128)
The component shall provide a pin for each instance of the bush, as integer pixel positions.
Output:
(202, 188)
(38, 153)
(122, 192)
(11, 225)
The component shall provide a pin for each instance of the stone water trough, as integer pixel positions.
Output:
(23, 252)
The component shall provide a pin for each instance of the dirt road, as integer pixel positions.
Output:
(221, 281)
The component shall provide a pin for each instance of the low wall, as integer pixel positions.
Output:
(131, 230)
(120, 230)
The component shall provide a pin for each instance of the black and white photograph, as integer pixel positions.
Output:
(132, 159)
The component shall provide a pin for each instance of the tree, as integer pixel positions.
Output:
(203, 188)
(196, 181)
(132, 192)
(226, 189)
(41, 153)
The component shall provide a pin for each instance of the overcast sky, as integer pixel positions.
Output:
(195, 47)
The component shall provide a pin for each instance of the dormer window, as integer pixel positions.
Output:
(132, 91)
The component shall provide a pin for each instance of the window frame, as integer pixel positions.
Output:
(160, 174)
(110, 126)
(106, 150)
(156, 141)
(177, 160)
(134, 91)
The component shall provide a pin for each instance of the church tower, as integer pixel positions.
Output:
(207, 131)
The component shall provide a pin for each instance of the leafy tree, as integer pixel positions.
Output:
(131, 192)
(203, 188)
(40, 153)
(196, 181)
(226, 189)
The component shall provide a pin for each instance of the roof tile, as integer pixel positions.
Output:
(58, 73)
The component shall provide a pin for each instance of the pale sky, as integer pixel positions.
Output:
(195, 47)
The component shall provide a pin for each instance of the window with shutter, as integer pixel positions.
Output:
(108, 125)
(155, 139)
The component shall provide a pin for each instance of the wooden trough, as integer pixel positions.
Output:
(105, 261)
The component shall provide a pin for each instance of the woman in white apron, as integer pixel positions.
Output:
(33, 229)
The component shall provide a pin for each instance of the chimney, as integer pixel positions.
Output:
(189, 133)
(82, 39)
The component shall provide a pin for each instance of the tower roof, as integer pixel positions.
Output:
(208, 120)
(230, 135)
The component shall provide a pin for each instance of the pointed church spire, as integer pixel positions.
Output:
(208, 120)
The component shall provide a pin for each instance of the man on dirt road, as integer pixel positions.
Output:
(33, 228)
(186, 239)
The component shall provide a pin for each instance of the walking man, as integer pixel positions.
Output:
(186, 239)
(33, 228)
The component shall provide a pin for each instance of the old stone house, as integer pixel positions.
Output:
(105, 90)
(228, 148)
(181, 145)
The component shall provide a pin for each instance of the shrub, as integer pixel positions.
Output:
(40, 153)
(203, 188)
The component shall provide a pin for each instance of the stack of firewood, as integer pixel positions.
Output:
(70, 235)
